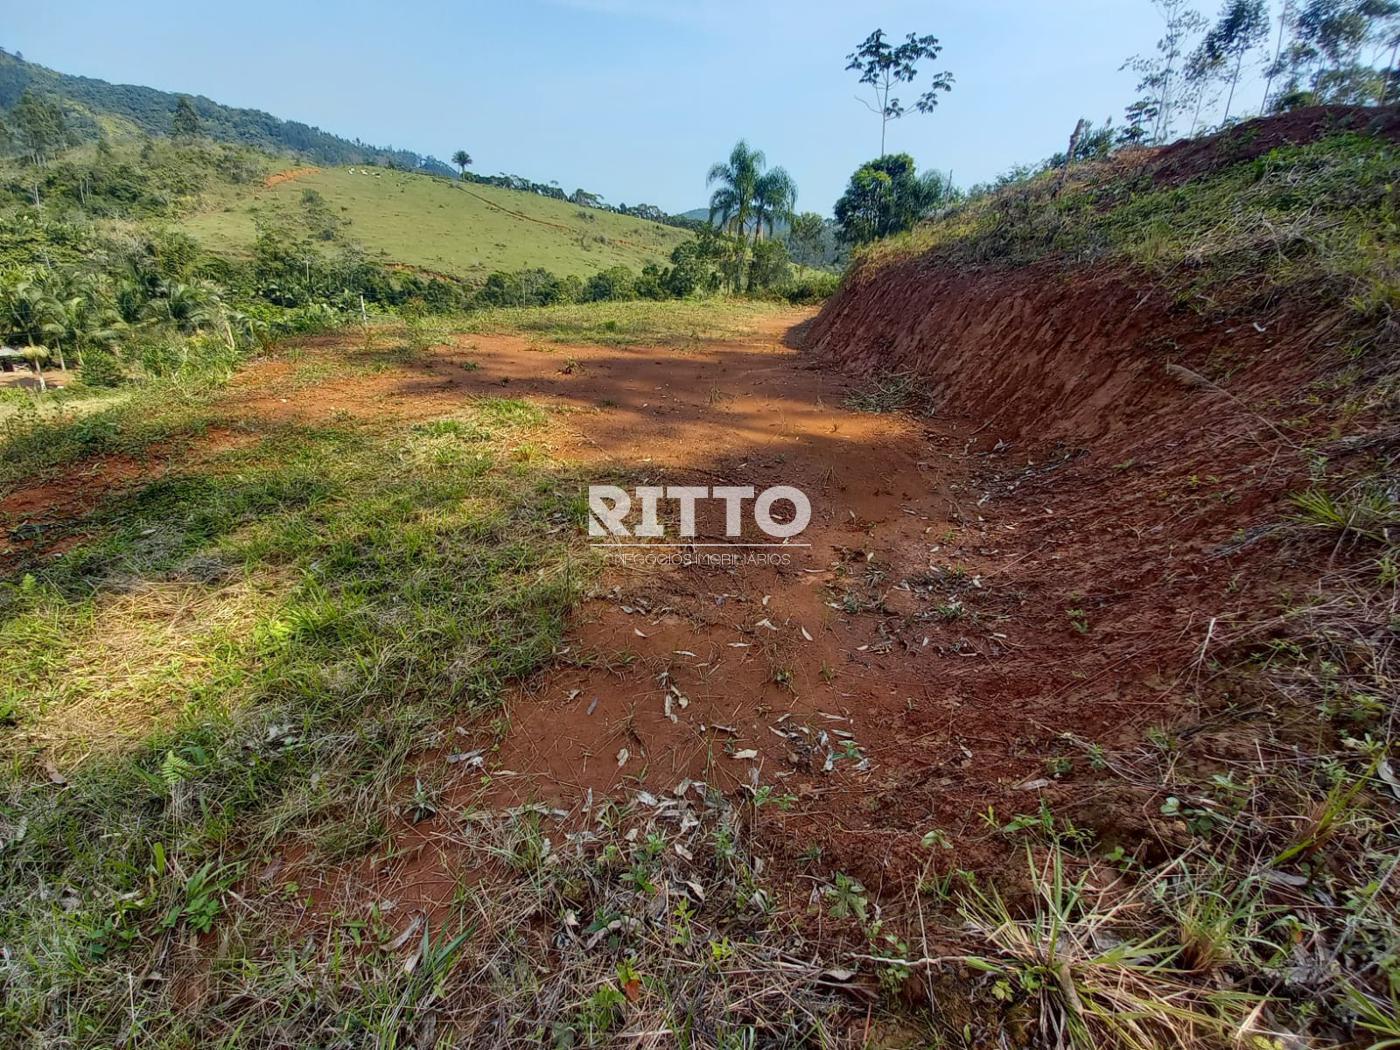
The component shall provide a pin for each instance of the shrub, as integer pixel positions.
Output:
(610, 285)
(812, 288)
(101, 368)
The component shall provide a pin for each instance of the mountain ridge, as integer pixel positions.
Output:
(150, 110)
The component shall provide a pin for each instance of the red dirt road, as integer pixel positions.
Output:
(971, 606)
(960, 618)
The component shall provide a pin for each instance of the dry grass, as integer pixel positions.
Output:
(128, 665)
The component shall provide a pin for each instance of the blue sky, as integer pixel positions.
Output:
(627, 98)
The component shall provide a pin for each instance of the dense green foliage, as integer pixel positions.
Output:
(888, 196)
(93, 277)
(159, 180)
(98, 275)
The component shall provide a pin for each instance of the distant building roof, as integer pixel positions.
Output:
(9, 351)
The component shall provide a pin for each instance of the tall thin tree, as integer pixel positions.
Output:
(884, 66)
(1241, 27)
(1286, 17)
(1161, 74)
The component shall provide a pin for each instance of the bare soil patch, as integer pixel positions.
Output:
(976, 601)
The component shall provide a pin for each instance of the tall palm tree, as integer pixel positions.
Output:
(463, 160)
(738, 179)
(733, 201)
(774, 199)
(88, 320)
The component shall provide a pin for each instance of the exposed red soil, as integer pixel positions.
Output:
(30, 513)
(289, 175)
(1047, 556)
(1038, 566)
(45, 515)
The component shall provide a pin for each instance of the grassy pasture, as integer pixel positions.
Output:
(445, 226)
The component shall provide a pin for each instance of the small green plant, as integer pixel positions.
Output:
(765, 795)
(950, 611)
(1201, 820)
(203, 898)
(1364, 512)
(602, 1011)
(1163, 739)
(847, 899)
(1045, 826)
(640, 877)
(1059, 766)
(423, 805)
(937, 838)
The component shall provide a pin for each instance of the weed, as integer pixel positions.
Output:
(847, 899)
(1367, 511)
(1089, 978)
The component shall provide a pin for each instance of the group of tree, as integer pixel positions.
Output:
(814, 241)
(138, 304)
(184, 123)
(37, 127)
(154, 180)
(749, 199)
(887, 196)
(72, 294)
(702, 265)
(1309, 52)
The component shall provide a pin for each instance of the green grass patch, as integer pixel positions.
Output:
(676, 322)
(439, 224)
(37, 443)
(40, 433)
(244, 656)
(1317, 217)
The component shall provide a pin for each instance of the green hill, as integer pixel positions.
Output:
(442, 225)
(150, 111)
(400, 207)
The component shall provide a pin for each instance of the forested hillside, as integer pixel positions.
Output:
(150, 111)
